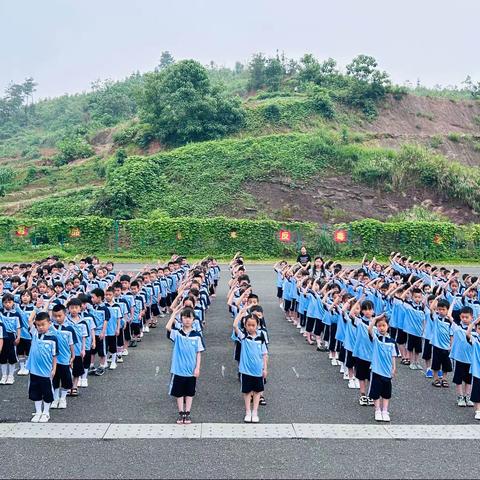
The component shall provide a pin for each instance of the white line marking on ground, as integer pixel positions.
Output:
(157, 369)
(223, 371)
(295, 372)
(239, 430)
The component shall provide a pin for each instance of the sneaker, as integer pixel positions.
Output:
(36, 417)
(44, 418)
(125, 353)
(440, 373)
(357, 383)
(345, 376)
(133, 344)
(23, 372)
(385, 416)
(468, 401)
(255, 419)
(378, 416)
(119, 360)
(54, 404)
(262, 402)
(334, 362)
(351, 383)
(141, 335)
(477, 415)
(84, 383)
(147, 329)
(342, 368)
(412, 366)
(99, 371)
(10, 380)
(92, 370)
(187, 419)
(113, 366)
(429, 373)
(80, 382)
(371, 401)
(419, 367)
(180, 417)
(62, 403)
(248, 417)
(461, 401)
(363, 400)
(109, 359)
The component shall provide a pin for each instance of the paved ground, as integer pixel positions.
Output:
(303, 388)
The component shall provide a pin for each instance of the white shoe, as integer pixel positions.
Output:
(80, 382)
(10, 380)
(334, 362)
(84, 383)
(419, 367)
(357, 383)
(255, 419)
(248, 418)
(62, 403)
(125, 353)
(113, 366)
(351, 383)
(44, 418)
(378, 416)
(109, 359)
(345, 376)
(469, 402)
(281, 307)
(141, 334)
(120, 359)
(54, 404)
(385, 416)
(302, 330)
(412, 366)
(461, 401)
(477, 415)
(147, 329)
(36, 417)
(22, 372)
(342, 368)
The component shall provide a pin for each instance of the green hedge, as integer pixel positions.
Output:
(224, 236)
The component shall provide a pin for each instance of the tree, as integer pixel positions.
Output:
(256, 72)
(364, 68)
(182, 106)
(14, 106)
(239, 68)
(166, 59)
(6, 177)
(274, 73)
(309, 69)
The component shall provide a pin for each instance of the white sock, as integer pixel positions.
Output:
(114, 358)
(22, 364)
(85, 374)
(4, 369)
(56, 394)
(46, 408)
(11, 370)
(38, 406)
(63, 394)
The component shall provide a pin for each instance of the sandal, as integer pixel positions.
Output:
(445, 384)
(73, 392)
(437, 383)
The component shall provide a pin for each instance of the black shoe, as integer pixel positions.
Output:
(181, 416)
(99, 371)
(263, 402)
(133, 344)
(92, 370)
(187, 418)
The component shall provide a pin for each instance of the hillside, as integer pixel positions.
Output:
(291, 160)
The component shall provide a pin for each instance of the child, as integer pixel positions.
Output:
(138, 313)
(253, 363)
(23, 348)
(81, 328)
(101, 315)
(186, 359)
(11, 320)
(474, 339)
(113, 326)
(462, 355)
(383, 367)
(41, 364)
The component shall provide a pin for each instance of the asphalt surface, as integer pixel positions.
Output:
(302, 387)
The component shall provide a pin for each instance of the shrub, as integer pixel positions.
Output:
(322, 102)
(454, 137)
(72, 148)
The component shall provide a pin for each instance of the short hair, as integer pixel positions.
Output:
(135, 284)
(98, 292)
(40, 316)
(109, 289)
(187, 312)
(467, 311)
(442, 303)
(366, 305)
(416, 290)
(74, 302)
(57, 284)
(8, 297)
(252, 296)
(58, 308)
(84, 298)
(116, 285)
(125, 278)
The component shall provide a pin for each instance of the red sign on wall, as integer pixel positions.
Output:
(285, 236)
(340, 236)
(22, 231)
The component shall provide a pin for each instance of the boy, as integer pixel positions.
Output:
(101, 315)
(383, 367)
(11, 320)
(113, 326)
(138, 313)
(81, 328)
(186, 359)
(41, 364)
(253, 363)
(65, 355)
(474, 338)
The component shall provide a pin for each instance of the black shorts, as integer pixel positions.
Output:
(287, 305)
(279, 292)
(380, 387)
(251, 384)
(414, 343)
(100, 347)
(362, 369)
(332, 344)
(78, 369)
(155, 310)
(303, 320)
(401, 337)
(294, 306)
(310, 325)
(8, 354)
(475, 395)
(111, 343)
(135, 328)
(126, 332)
(318, 328)
(393, 332)
(120, 339)
(168, 299)
(148, 314)
(215, 282)
(441, 360)
(40, 388)
(163, 302)
(238, 349)
(462, 373)
(326, 335)
(23, 348)
(349, 359)
(427, 350)
(182, 386)
(341, 355)
(63, 377)
(87, 359)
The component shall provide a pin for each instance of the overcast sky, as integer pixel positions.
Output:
(66, 44)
